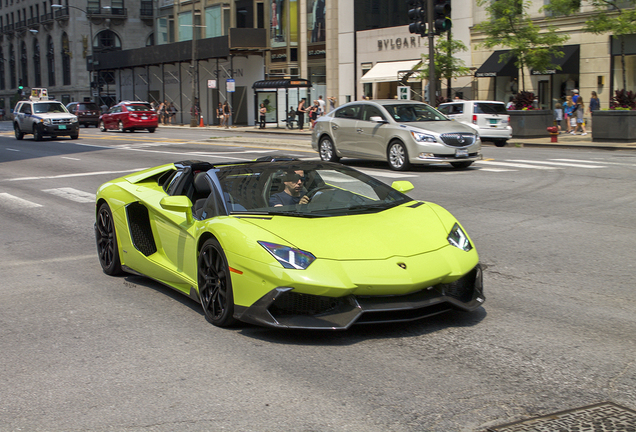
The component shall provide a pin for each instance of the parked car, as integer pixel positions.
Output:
(398, 131)
(43, 118)
(87, 112)
(217, 233)
(490, 117)
(129, 116)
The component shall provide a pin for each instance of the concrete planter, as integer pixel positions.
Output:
(530, 123)
(614, 125)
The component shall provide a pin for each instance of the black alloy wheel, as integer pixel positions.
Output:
(215, 285)
(106, 240)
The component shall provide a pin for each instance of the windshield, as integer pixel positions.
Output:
(49, 107)
(139, 107)
(304, 189)
(407, 113)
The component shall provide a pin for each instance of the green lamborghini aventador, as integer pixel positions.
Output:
(288, 243)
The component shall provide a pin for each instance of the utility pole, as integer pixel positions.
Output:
(432, 91)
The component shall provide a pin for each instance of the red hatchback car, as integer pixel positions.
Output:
(129, 116)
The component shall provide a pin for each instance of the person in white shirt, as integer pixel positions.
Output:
(322, 106)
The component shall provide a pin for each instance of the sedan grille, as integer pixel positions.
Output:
(458, 139)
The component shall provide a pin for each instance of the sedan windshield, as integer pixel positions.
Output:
(407, 113)
(304, 189)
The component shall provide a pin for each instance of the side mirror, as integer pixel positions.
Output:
(403, 186)
(178, 203)
(377, 119)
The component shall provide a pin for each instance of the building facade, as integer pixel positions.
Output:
(206, 52)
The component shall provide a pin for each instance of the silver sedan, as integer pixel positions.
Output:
(398, 131)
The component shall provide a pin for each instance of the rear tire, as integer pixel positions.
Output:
(500, 143)
(398, 157)
(151, 130)
(18, 133)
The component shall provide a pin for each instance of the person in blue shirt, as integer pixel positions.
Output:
(292, 194)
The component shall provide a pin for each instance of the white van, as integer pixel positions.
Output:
(489, 117)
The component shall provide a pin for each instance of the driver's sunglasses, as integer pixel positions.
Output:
(294, 178)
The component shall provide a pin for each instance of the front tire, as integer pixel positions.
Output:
(106, 239)
(215, 285)
(327, 150)
(18, 133)
(398, 157)
(37, 133)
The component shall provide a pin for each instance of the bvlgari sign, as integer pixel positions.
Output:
(399, 43)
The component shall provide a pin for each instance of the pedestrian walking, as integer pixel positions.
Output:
(262, 114)
(580, 112)
(219, 115)
(227, 112)
(300, 111)
(568, 114)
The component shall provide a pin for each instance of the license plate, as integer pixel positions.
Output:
(493, 121)
(61, 127)
(144, 117)
(461, 153)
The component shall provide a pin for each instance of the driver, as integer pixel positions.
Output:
(294, 181)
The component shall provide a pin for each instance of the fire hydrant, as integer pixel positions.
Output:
(554, 133)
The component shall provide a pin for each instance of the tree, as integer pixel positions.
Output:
(509, 25)
(446, 64)
(617, 17)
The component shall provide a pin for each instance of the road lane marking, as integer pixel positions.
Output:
(387, 174)
(70, 158)
(96, 173)
(517, 165)
(496, 169)
(557, 163)
(6, 264)
(15, 202)
(72, 194)
(15, 150)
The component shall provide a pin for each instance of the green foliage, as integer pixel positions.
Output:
(447, 66)
(509, 25)
(623, 100)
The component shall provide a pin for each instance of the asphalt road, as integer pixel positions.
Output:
(81, 351)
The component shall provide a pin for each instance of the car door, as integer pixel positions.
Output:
(372, 135)
(110, 118)
(343, 129)
(25, 118)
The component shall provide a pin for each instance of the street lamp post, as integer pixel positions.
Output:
(90, 31)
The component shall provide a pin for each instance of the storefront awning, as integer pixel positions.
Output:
(569, 62)
(493, 67)
(389, 71)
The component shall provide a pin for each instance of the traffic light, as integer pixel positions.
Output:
(20, 86)
(441, 16)
(417, 15)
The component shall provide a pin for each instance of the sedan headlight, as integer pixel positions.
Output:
(459, 239)
(422, 137)
(289, 257)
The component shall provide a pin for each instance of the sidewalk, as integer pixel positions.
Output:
(563, 140)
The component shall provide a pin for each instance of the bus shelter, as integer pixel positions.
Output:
(280, 96)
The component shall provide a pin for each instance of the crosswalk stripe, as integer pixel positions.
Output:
(17, 203)
(385, 174)
(594, 162)
(72, 194)
(496, 169)
(517, 165)
(576, 165)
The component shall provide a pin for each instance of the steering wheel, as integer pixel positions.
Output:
(313, 192)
